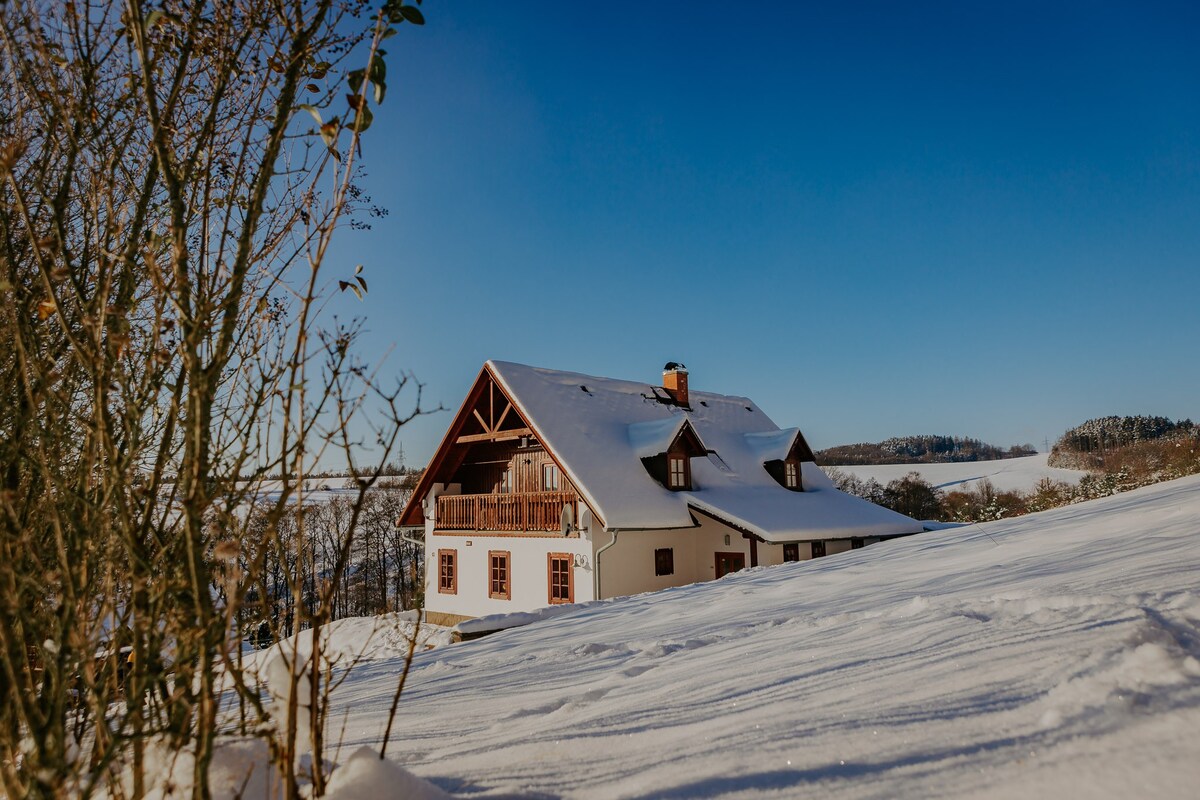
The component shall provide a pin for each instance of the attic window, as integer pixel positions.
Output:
(550, 478)
(791, 474)
(677, 477)
(786, 473)
(671, 466)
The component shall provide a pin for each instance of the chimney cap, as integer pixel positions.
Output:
(672, 366)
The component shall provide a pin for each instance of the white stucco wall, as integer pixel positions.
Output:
(627, 567)
(527, 566)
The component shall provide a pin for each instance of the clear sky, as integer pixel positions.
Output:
(874, 219)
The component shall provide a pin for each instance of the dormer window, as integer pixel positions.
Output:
(783, 453)
(666, 447)
(678, 477)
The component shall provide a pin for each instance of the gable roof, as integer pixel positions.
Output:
(598, 429)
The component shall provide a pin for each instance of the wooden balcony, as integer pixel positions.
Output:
(521, 511)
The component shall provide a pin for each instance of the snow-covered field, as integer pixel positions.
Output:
(1006, 474)
(1054, 654)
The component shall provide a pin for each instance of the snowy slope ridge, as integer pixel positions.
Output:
(1007, 474)
(1053, 654)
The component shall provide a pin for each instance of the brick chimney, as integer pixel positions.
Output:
(675, 382)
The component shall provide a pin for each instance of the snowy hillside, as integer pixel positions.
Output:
(1007, 474)
(1051, 655)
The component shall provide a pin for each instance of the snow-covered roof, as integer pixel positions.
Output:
(651, 437)
(599, 428)
(772, 445)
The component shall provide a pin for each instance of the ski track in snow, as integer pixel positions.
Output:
(1053, 654)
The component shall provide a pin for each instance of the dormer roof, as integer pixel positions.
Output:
(779, 445)
(653, 437)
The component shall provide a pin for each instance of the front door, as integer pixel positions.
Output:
(730, 562)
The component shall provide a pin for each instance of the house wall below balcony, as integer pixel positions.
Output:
(528, 565)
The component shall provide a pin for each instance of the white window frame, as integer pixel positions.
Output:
(550, 477)
(791, 474)
(677, 471)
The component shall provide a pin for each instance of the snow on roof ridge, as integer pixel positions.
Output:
(598, 429)
(593, 382)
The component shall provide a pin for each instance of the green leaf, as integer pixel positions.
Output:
(413, 15)
(361, 282)
(363, 118)
(344, 285)
(379, 77)
(387, 34)
(358, 270)
(319, 69)
(355, 80)
(378, 68)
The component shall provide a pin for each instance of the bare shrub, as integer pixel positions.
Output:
(171, 177)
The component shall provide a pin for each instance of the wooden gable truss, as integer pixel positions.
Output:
(488, 416)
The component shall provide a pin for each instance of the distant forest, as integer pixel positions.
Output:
(1098, 443)
(919, 450)
(1116, 453)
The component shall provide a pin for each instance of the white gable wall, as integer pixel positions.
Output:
(627, 567)
(528, 572)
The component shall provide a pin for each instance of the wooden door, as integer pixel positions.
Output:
(729, 562)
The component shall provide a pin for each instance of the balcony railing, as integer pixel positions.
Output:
(524, 511)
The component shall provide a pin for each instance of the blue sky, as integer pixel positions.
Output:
(874, 219)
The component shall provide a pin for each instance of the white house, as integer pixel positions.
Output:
(554, 487)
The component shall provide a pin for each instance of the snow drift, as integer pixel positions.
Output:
(1054, 653)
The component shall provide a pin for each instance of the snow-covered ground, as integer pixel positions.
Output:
(1054, 654)
(1006, 474)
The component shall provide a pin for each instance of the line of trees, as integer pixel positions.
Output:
(1139, 463)
(920, 450)
(384, 572)
(1099, 443)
